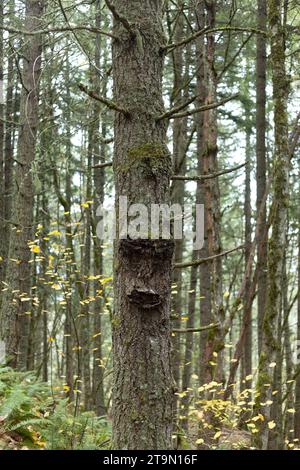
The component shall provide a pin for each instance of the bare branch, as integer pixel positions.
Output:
(206, 260)
(188, 178)
(109, 103)
(207, 30)
(119, 17)
(210, 176)
(212, 326)
(63, 29)
(178, 108)
(172, 114)
(103, 165)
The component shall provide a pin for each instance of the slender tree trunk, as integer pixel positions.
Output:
(8, 143)
(99, 180)
(277, 241)
(2, 191)
(189, 344)
(248, 230)
(205, 269)
(261, 166)
(212, 207)
(286, 418)
(15, 310)
(297, 386)
(143, 387)
(86, 271)
(179, 141)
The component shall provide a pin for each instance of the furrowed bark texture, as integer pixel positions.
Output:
(277, 241)
(261, 64)
(143, 388)
(15, 309)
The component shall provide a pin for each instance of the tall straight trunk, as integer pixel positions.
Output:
(189, 343)
(143, 389)
(86, 271)
(15, 312)
(205, 269)
(2, 192)
(179, 141)
(248, 230)
(44, 292)
(212, 206)
(287, 418)
(99, 180)
(297, 385)
(261, 165)
(277, 240)
(11, 109)
(9, 131)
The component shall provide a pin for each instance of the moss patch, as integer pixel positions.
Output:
(151, 157)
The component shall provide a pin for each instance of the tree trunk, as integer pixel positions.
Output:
(143, 388)
(179, 143)
(2, 192)
(277, 241)
(99, 180)
(248, 230)
(15, 309)
(297, 386)
(213, 278)
(261, 63)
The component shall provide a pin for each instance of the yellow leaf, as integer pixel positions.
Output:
(226, 295)
(56, 287)
(272, 365)
(217, 435)
(199, 441)
(97, 334)
(54, 233)
(35, 249)
(271, 425)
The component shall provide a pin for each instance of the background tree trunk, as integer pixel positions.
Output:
(15, 310)
(277, 241)
(261, 165)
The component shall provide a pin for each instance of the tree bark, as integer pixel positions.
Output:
(99, 180)
(15, 310)
(261, 165)
(143, 387)
(179, 145)
(297, 386)
(279, 209)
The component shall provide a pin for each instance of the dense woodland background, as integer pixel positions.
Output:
(142, 344)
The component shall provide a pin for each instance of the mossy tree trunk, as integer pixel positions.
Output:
(261, 65)
(179, 144)
(2, 192)
(99, 181)
(143, 388)
(211, 275)
(278, 217)
(297, 385)
(16, 305)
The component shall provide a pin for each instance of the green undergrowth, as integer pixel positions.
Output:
(34, 415)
